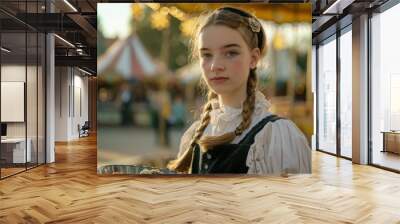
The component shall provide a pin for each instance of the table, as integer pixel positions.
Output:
(391, 141)
(13, 150)
(130, 170)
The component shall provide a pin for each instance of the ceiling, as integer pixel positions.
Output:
(77, 25)
(328, 16)
(75, 21)
(72, 20)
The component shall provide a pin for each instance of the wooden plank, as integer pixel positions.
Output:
(70, 191)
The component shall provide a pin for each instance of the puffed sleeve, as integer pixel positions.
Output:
(187, 137)
(280, 147)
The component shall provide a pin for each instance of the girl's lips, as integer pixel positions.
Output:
(218, 80)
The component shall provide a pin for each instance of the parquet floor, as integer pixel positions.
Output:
(69, 191)
(9, 171)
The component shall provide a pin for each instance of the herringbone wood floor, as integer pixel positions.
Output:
(69, 191)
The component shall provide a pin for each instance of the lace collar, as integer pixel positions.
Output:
(227, 113)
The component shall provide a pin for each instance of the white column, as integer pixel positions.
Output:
(360, 90)
(50, 94)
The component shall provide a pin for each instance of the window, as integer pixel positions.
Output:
(22, 68)
(346, 93)
(385, 86)
(327, 96)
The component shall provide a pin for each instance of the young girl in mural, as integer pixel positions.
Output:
(236, 132)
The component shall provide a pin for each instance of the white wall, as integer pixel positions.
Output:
(71, 93)
(61, 103)
(13, 73)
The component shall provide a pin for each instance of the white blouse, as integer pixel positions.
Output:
(280, 147)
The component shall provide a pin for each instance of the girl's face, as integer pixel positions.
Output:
(225, 59)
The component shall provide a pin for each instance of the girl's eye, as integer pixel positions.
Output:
(231, 53)
(206, 55)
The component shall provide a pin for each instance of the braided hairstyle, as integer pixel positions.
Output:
(241, 21)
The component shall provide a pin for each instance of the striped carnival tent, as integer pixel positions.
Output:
(128, 59)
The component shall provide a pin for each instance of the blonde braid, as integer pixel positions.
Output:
(249, 104)
(208, 143)
(182, 164)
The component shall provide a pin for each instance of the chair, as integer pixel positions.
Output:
(84, 130)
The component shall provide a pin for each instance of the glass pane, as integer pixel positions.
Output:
(386, 89)
(23, 81)
(41, 99)
(346, 94)
(32, 84)
(13, 86)
(31, 97)
(327, 97)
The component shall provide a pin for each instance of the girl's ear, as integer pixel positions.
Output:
(255, 55)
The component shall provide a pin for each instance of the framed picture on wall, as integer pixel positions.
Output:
(12, 101)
